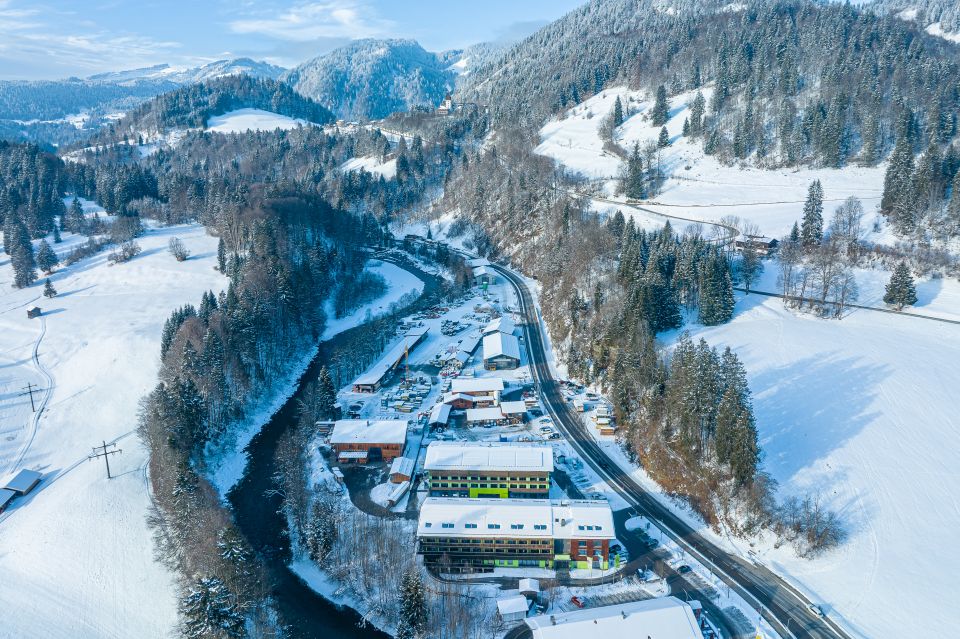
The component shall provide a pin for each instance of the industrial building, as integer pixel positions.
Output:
(372, 380)
(501, 351)
(488, 469)
(664, 617)
(361, 441)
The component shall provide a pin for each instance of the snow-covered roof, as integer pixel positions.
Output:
(5, 496)
(469, 344)
(363, 431)
(452, 397)
(513, 408)
(477, 261)
(440, 414)
(391, 357)
(664, 617)
(492, 456)
(24, 481)
(512, 605)
(402, 466)
(516, 518)
(482, 270)
(493, 413)
(502, 324)
(528, 584)
(501, 345)
(477, 385)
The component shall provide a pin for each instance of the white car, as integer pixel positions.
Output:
(815, 610)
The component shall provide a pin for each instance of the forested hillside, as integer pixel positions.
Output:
(370, 79)
(945, 13)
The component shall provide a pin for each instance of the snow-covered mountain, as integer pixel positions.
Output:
(936, 17)
(374, 78)
(188, 75)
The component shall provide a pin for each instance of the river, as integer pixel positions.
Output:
(257, 512)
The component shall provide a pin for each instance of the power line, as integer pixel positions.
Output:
(103, 452)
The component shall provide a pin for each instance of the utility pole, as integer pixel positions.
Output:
(29, 388)
(101, 451)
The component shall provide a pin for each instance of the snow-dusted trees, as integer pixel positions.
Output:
(210, 611)
(412, 623)
(901, 290)
(811, 229)
(661, 108)
(20, 249)
(46, 257)
(48, 290)
(177, 249)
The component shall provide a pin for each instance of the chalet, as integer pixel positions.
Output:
(401, 470)
(758, 243)
(483, 534)
(500, 352)
(361, 441)
(459, 401)
(488, 469)
(34, 312)
(514, 411)
(660, 617)
(372, 380)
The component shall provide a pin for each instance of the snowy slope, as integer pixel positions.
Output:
(861, 412)
(698, 186)
(371, 164)
(76, 556)
(243, 120)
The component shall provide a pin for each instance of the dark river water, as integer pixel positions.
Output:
(257, 513)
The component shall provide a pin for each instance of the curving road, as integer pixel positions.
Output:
(782, 606)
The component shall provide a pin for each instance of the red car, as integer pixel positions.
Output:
(576, 602)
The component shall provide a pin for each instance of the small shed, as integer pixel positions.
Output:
(530, 588)
(34, 312)
(338, 475)
(513, 608)
(440, 415)
(401, 470)
(24, 481)
(6, 496)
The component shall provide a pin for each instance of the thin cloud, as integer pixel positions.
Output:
(316, 20)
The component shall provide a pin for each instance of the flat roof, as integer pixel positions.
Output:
(495, 456)
(364, 431)
(516, 518)
(389, 359)
(501, 345)
(491, 413)
(663, 618)
(24, 481)
(440, 414)
(476, 385)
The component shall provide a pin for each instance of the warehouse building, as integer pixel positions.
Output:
(360, 441)
(500, 352)
(372, 380)
(488, 469)
(455, 534)
(486, 391)
(664, 617)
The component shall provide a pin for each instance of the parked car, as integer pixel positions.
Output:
(576, 601)
(683, 569)
(816, 610)
(546, 430)
(554, 436)
(615, 548)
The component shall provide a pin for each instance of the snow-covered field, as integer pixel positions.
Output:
(371, 164)
(76, 556)
(698, 186)
(858, 411)
(243, 120)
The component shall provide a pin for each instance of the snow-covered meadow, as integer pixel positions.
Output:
(859, 412)
(76, 555)
(242, 120)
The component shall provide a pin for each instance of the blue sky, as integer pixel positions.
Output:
(42, 39)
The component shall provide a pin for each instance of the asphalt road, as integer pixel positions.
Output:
(781, 605)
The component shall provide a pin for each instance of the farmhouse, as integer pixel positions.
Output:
(759, 244)
(361, 441)
(488, 469)
(482, 534)
(661, 617)
(460, 401)
(500, 351)
(371, 380)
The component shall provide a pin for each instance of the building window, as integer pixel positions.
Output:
(447, 525)
(427, 525)
(469, 525)
(493, 526)
(516, 526)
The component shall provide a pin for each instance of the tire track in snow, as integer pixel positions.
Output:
(45, 398)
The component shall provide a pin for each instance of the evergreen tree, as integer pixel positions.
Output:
(326, 395)
(413, 606)
(901, 291)
(633, 182)
(897, 201)
(716, 291)
(617, 117)
(21, 254)
(46, 257)
(811, 231)
(56, 233)
(686, 127)
(221, 256)
(209, 611)
(795, 234)
(48, 290)
(664, 140)
(77, 223)
(697, 111)
(661, 108)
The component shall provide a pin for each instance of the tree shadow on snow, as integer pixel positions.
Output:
(927, 291)
(810, 407)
